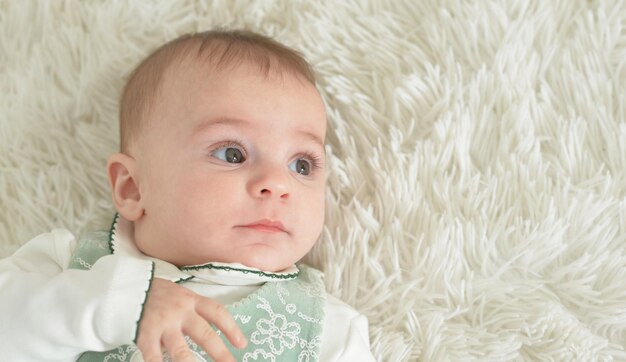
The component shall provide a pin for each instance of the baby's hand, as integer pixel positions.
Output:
(171, 312)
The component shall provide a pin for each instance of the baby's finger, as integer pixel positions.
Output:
(150, 348)
(201, 332)
(218, 315)
(177, 347)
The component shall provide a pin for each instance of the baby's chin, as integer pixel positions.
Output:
(265, 257)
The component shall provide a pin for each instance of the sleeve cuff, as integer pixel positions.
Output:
(143, 304)
(122, 310)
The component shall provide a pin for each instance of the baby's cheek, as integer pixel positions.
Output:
(208, 198)
(315, 216)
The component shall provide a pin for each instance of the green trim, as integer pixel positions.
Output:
(144, 303)
(245, 271)
(116, 217)
(182, 280)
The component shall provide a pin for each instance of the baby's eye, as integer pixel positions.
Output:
(301, 166)
(229, 154)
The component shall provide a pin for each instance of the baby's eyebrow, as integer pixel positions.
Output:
(227, 121)
(313, 137)
(219, 121)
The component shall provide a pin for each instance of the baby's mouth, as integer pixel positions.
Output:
(265, 225)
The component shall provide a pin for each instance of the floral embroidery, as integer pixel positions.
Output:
(277, 332)
(282, 293)
(309, 350)
(291, 308)
(254, 356)
(309, 319)
(83, 263)
(244, 319)
(120, 354)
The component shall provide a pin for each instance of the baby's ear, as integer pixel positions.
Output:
(121, 169)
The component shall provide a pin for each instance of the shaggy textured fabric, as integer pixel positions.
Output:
(476, 203)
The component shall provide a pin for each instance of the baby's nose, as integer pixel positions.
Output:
(270, 182)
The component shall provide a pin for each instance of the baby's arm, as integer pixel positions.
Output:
(345, 336)
(50, 313)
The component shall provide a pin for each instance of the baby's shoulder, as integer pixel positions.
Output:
(333, 305)
(340, 309)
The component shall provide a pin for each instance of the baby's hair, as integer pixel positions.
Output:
(218, 48)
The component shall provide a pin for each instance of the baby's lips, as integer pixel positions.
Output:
(266, 225)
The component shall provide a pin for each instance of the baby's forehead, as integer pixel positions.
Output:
(202, 75)
(187, 78)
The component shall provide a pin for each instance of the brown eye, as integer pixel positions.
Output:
(301, 166)
(229, 154)
(233, 155)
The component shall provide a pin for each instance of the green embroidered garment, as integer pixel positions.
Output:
(282, 320)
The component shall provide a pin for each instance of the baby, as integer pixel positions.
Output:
(219, 191)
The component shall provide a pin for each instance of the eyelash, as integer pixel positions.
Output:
(315, 160)
(230, 143)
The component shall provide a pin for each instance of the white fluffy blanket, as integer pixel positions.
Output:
(477, 155)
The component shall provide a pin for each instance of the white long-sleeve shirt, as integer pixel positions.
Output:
(51, 313)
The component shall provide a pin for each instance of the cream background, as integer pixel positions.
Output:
(477, 155)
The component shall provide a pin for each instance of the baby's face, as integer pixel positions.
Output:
(231, 169)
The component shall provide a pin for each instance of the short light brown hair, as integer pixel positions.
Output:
(219, 49)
